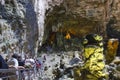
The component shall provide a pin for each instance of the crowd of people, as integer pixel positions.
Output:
(24, 66)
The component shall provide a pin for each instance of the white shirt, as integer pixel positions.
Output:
(16, 62)
(30, 62)
(13, 62)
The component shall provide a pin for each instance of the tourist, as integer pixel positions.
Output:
(21, 66)
(3, 64)
(14, 64)
(38, 64)
(20, 61)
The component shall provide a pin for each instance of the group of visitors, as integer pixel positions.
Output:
(16, 62)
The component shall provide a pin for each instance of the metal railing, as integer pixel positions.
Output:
(17, 74)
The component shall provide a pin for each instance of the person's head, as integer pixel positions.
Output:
(19, 57)
(15, 56)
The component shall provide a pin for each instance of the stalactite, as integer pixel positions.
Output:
(40, 7)
(107, 15)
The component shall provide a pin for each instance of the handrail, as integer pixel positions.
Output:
(5, 73)
(8, 76)
(7, 70)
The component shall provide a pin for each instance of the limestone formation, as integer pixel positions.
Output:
(78, 17)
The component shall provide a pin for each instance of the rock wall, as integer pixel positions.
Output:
(81, 17)
(18, 26)
(79, 13)
(76, 17)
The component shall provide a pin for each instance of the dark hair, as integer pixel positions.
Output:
(15, 56)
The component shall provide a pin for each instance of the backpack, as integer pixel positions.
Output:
(38, 64)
